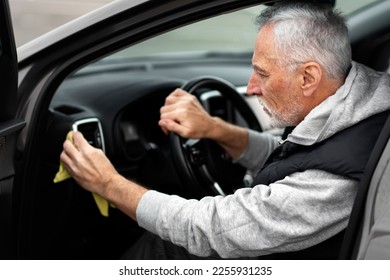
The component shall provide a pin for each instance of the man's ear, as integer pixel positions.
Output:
(311, 77)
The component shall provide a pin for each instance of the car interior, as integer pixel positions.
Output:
(115, 101)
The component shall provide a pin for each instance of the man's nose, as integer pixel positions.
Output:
(253, 87)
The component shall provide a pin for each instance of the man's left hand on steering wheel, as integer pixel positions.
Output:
(196, 137)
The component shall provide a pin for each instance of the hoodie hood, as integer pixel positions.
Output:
(365, 93)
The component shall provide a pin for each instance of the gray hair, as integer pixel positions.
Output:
(309, 32)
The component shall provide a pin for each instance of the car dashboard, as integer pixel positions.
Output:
(125, 102)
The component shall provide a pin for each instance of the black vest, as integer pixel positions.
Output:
(345, 153)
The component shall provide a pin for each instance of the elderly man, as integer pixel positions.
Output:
(302, 197)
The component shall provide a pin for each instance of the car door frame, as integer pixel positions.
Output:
(9, 130)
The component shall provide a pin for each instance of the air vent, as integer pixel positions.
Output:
(92, 131)
(68, 110)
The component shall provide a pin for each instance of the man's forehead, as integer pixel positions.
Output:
(265, 47)
(265, 58)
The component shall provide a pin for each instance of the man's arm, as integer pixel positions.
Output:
(292, 214)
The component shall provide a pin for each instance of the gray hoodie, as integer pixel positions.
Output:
(297, 212)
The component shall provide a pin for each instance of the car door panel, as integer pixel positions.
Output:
(8, 134)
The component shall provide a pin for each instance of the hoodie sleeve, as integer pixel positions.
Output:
(260, 145)
(297, 212)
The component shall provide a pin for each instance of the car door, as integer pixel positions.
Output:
(9, 128)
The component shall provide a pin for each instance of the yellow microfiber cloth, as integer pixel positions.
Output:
(63, 174)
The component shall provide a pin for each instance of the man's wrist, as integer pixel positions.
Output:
(124, 194)
(218, 129)
(231, 137)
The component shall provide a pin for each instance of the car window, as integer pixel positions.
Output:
(347, 6)
(229, 33)
(234, 32)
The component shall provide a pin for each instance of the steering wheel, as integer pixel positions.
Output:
(203, 166)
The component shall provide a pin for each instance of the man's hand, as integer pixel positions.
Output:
(89, 166)
(93, 171)
(183, 114)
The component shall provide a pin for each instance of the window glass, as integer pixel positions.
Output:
(234, 32)
(348, 6)
(229, 33)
